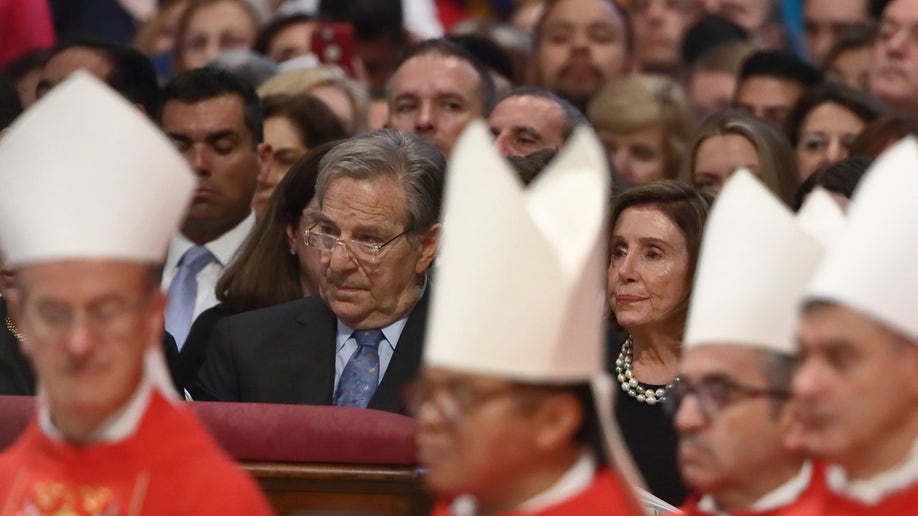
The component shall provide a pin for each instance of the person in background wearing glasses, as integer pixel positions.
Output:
(86, 231)
(731, 403)
(359, 342)
(857, 383)
(506, 405)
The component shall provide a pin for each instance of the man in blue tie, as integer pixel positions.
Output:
(359, 342)
(215, 120)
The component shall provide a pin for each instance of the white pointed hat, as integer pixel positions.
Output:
(871, 268)
(754, 264)
(519, 285)
(84, 174)
(822, 217)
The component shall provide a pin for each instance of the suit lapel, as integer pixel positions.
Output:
(313, 350)
(403, 367)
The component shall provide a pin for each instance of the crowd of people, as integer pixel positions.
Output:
(415, 205)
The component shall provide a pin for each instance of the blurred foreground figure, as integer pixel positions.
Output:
(857, 385)
(507, 403)
(738, 354)
(86, 230)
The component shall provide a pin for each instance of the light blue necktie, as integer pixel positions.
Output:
(361, 373)
(183, 291)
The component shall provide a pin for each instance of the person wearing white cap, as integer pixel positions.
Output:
(506, 416)
(730, 405)
(857, 384)
(86, 230)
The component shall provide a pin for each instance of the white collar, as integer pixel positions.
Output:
(781, 496)
(223, 247)
(872, 490)
(573, 482)
(117, 427)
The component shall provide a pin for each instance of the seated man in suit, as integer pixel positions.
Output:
(359, 342)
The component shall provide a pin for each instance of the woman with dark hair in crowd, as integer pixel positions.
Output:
(656, 237)
(825, 121)
(273, 266)
(839, 179)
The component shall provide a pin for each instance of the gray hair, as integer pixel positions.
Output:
(416, 164)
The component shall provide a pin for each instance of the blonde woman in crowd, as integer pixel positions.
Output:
(643, 123)
(347, 99)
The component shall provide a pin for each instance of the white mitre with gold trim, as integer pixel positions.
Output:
(519, 285)
(871, 267)
(755, 261)
(85, 175)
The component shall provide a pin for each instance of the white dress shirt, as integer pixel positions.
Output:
(223, 248)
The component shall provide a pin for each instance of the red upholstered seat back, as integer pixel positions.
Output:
(276, 432)
(307, 433)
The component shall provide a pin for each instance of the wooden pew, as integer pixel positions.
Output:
(310, 460)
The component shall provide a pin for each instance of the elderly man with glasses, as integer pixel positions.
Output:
(731, 404)
(359, 342)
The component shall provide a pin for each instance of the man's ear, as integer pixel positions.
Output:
(156, 322)
(429, 245)
(293, 235)
(265, 159)
(558, 418)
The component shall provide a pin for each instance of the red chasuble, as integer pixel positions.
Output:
(608, 495)
(809, 503)
(169, 466)
(899, 503)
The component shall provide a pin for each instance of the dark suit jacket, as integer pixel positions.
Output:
(286, 354)
(17, 376)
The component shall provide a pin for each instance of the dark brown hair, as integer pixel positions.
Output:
(683, 206)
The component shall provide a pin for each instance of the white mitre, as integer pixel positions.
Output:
(822, 217)
(754, 264)
(871, 268)
(85, 175)
(519, 285)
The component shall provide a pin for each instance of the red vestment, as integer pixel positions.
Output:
(898, 503)
(809, 503)
(170, 465)
(607, 495)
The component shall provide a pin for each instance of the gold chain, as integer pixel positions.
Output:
(13, 329)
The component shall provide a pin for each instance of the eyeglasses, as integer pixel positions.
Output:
(453, 402)
(715, 394)
(110, 319)
(361, 251)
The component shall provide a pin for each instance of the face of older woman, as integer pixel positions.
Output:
(648, 274)
(718, 157)
(826, 134)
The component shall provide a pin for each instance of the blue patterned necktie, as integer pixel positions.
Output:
(183, 292)
(361, 373)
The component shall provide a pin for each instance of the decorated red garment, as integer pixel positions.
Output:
(607, 495)
(169, 466)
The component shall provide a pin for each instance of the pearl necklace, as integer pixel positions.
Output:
(630, 384)
(12, 327)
